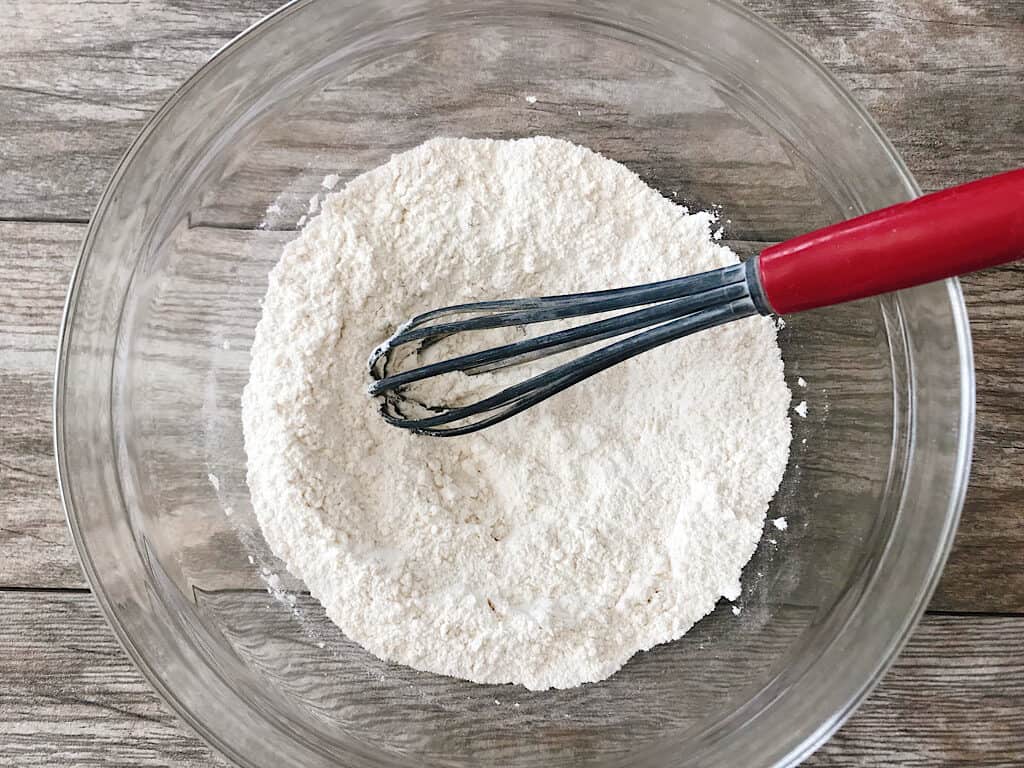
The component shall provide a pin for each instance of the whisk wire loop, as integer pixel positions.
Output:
(677, 308)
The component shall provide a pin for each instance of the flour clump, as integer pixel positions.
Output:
(548, 549)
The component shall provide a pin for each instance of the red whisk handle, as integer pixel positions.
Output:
(959, 230)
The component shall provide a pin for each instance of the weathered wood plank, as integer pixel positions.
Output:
(70, 696)
(81, 79)
(986, 569)
(955, 697)
(35, 265)
(946, 80)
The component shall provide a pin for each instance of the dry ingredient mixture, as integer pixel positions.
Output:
(549, 549)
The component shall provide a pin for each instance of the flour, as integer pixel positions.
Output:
(548, 549)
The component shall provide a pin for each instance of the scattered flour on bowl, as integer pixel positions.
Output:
(549, 549)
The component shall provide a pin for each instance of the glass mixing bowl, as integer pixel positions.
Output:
(707, 103)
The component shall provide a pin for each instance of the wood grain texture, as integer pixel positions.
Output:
(70, 697)
(945, 78)
(986, 569)
(35, 265)
(80, 80)
(954, 698)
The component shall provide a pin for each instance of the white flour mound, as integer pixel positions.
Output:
(549, 549)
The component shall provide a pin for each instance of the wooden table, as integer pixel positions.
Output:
(945, 78)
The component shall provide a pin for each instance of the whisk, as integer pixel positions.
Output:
(952, 232)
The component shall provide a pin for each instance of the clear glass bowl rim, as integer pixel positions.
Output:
(801, 746)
